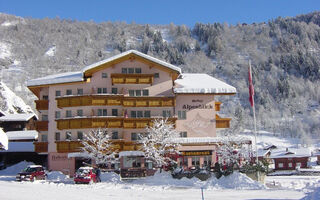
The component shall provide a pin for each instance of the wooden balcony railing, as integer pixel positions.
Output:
(41, 147)
(115, 100)
(222, 122)
(106, 122)
(68, 146)
(42, 125)
(132, 78)
(217, 106)
(42, 104)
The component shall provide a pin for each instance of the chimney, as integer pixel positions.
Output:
(287, 149)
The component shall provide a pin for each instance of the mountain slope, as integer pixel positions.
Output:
(285, 56)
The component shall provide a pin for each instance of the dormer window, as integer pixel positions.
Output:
(104, 75)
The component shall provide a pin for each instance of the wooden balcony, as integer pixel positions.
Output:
(148, 102)
(68, 146)
(132, 78)
(222, 122)
(106, 122)
(217, 106)
(42, 104)
(115, 100)
(41, 147)
(42, 125)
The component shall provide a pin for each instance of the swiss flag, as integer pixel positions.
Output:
(251, 89)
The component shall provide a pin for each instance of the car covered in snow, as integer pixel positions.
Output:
(31, 173)
(87, 175)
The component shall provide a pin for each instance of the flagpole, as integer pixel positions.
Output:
(254, 119)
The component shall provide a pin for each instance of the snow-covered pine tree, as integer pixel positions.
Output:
(160, 141)
(234, 150)
(97, 144)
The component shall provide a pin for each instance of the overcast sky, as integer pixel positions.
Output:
(179, 12)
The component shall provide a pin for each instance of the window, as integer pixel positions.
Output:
(137, 70)
(68, 113)
(138, 93)
(166, 113)
(207, 160)
(114, 112)
(130, 70)
(80, 135)
(104, 75)
(183, 134)
(44, 117)
(68, 135)
(58, 93)
(182, 114)
(145, 92)
(280, 165)
(115, 135)
(102, 112)
(139, 113)
(79, 112)
(69, 92)
(114, 90)
(133, 114)
(147, 113)
(44, 138)
(129, 162)
(298, 165)
(45, 97)
(57, 114)
(290, 164)
(80, 91)
(195, 160)
(57, 136)
(102, 90)
(156, 75)
(131, 93)
(124, 70)
(134, 136)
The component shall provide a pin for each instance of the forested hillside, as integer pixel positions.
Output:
(284, 52)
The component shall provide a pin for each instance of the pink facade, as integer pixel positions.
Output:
(195, 113)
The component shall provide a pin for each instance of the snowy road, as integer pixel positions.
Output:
(51, 191)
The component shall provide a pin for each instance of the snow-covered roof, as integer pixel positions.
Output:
(202, 83)
(20, 147)
(32, 166)
(160, 62)
(263, 152)
(78, 155)
(291, 153)
(3, 140)
(22, 135)
(194, 140)
(130, 153)
(67, 77)
(17, 117)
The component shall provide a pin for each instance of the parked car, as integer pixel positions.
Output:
(31, 173)
(87, 175)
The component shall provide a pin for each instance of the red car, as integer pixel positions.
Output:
(31, 173)
(86, 175)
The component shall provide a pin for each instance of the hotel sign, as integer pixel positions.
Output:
(201, 105)
(196, 153)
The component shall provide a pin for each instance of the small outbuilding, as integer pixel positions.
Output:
(290, 159)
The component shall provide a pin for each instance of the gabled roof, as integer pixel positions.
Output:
(291, 153)
(17, 117)
(87, 71)
(201, 83)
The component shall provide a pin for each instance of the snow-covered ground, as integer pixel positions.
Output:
(160, 186)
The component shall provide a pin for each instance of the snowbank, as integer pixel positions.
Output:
(165, 180)
(57, 176)
(14, 169)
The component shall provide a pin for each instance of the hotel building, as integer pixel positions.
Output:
(125, 93)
